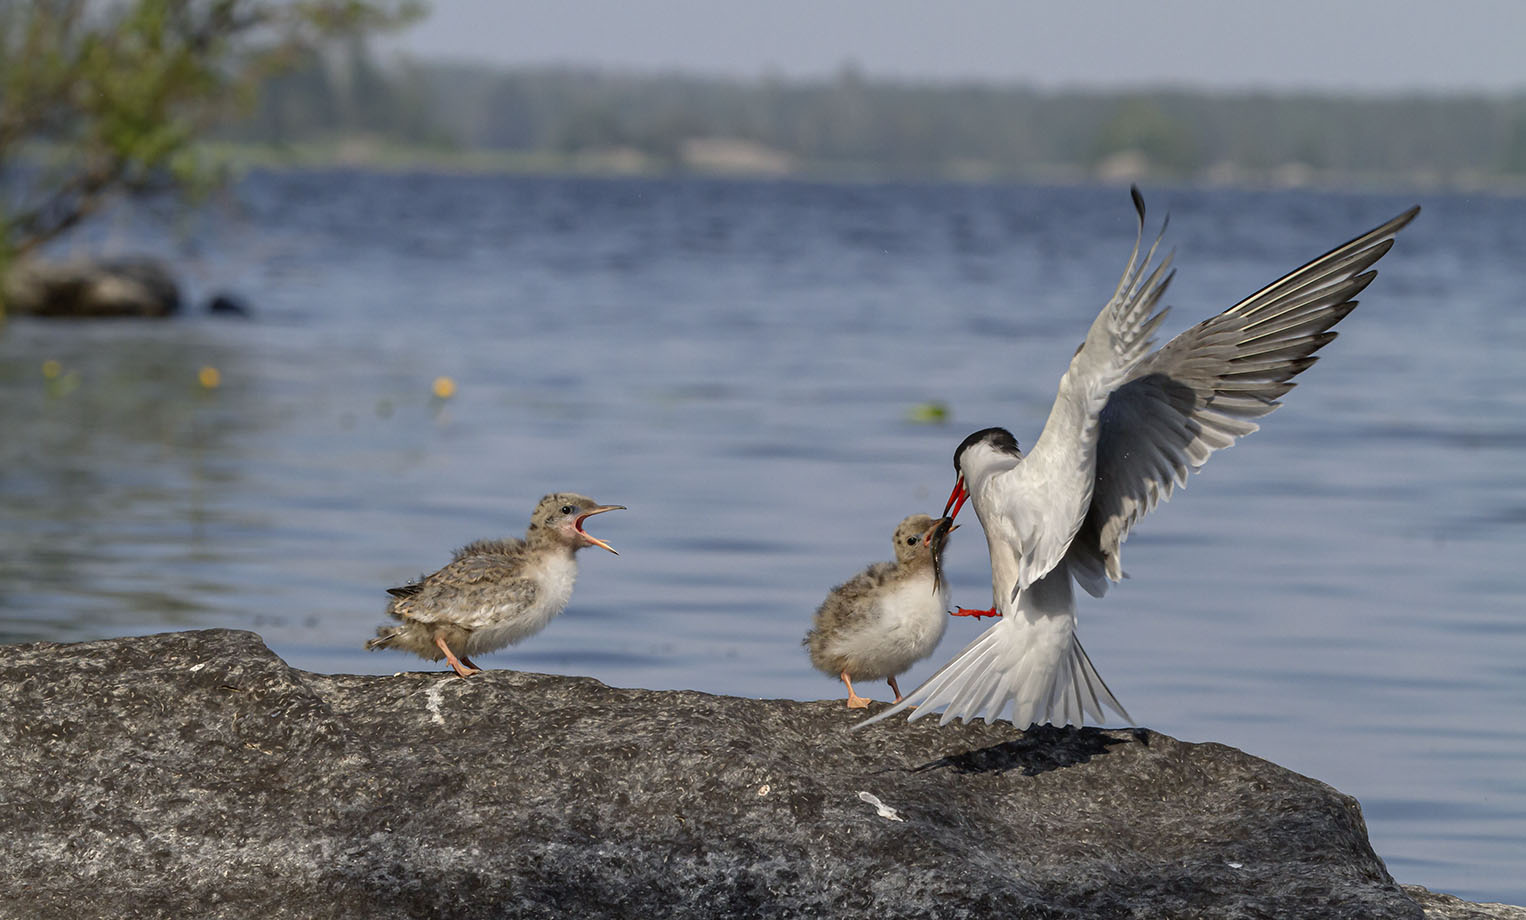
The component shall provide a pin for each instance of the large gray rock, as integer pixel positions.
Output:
(196, 774)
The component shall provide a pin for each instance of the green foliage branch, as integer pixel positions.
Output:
(102, 98)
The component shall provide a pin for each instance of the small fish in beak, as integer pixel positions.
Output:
(937, 539)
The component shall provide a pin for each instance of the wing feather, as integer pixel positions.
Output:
(1050, 491)
(1201, 392)
(455, 593)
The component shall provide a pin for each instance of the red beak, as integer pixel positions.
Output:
(956, 499)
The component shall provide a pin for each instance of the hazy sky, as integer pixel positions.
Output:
(1365, 45)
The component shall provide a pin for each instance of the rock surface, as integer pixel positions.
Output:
(1440, 906)
(196, 774)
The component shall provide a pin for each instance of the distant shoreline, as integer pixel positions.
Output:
(349, 108)
(384, 157)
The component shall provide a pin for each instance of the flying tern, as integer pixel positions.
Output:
(1127, 426)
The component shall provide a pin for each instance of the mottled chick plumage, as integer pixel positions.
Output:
(494, 593)
(889, 616)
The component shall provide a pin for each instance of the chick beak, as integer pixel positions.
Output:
(956, 498)
(937, 534)
(593, 540)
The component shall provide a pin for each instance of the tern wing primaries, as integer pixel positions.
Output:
(1119, 337)
(1205, 389)
(1051, 490)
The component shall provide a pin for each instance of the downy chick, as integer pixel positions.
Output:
(494, 592)
(889, 616)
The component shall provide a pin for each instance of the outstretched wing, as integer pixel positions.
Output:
(1044, 500)
(1205, 389)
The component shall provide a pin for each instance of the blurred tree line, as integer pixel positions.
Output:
(854, 124)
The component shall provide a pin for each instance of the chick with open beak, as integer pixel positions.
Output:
(889, 616)
(494, 592)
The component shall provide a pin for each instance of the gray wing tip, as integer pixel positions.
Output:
(1396, 224)
(1139, 209)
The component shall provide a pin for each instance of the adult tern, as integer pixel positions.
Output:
(1127, 426)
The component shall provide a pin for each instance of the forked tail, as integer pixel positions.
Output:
(1038, 669)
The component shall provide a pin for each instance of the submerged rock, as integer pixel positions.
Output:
(224, 303)
(89, 288)
(197, 774)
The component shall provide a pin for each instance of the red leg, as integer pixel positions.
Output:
(891, 682)
(977, 614)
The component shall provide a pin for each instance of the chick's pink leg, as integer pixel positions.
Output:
(854, 700)
(450, 657)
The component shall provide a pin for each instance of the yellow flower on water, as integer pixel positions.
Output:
(209, 377)
(444, 388)
(51, 369)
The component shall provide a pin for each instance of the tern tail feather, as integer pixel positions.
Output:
(975, 685)
(1029, 662)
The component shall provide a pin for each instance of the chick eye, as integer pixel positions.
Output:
(567, 509)
(911, 541)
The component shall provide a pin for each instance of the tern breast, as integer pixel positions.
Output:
(905, 624)
(511, 620)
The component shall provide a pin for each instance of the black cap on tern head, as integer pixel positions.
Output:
(999, 438)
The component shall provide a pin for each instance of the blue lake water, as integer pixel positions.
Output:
(1341, 593)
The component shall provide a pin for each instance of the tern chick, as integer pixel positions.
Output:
(494, 592)
(889, 616)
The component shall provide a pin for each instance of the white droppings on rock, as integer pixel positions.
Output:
(885, 811)
(432, 703)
